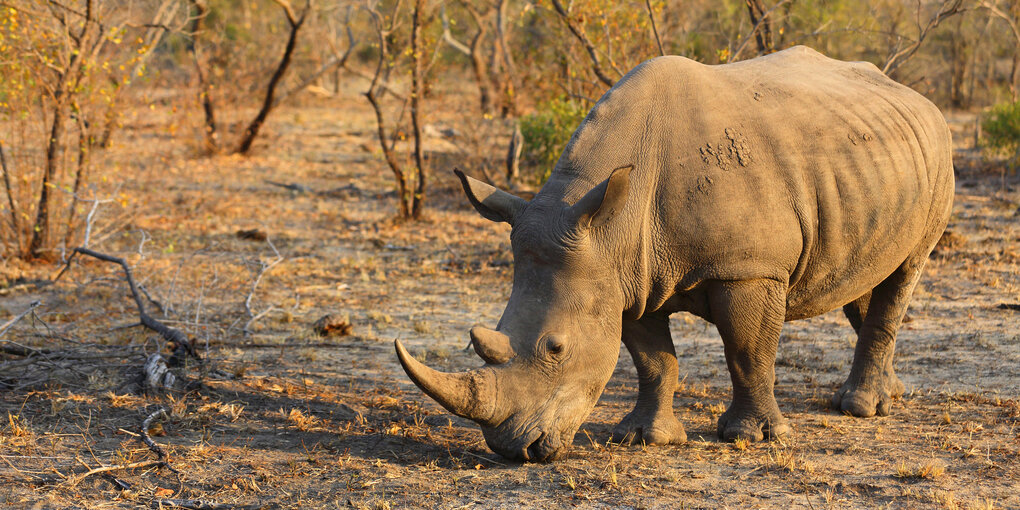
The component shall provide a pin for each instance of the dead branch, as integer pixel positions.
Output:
(89, 218)
(163, 460)
(84, 150)
(296, 22)
(263, 269)
(448, 36)
(202, 504)
(655, 29)
(764, 45)
(382, 85)
(144, 436)
(513, 155)
(75, 480)
(582, 37)
(9, 347)
(179, 339)
(898, 56)
(156, 375)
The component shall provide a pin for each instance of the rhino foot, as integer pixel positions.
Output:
(746, 422)
(867, 397)
(649, 428)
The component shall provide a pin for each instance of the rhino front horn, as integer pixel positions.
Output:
(468, 394)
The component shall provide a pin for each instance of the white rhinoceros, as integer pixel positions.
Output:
(749, 194)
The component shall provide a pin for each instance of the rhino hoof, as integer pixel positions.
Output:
(734, 425)
(660, 429)
(864, 402)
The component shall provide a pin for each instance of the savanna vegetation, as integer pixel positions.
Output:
(216, 215)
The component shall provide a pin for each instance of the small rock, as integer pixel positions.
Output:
(252, 235)
(333, 325)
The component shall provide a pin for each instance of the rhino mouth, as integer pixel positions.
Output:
(535, 446)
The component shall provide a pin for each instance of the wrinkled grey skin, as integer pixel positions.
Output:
(748, 194)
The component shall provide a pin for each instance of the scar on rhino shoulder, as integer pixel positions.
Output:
(724, 154)
(854, 138)
(701, 187)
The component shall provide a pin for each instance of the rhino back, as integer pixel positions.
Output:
(794, 166)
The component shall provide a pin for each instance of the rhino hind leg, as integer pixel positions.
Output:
(749, 316)
(652, 421)
(872, 384)
(856, 310)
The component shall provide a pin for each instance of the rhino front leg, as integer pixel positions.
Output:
(872, 384)
(652, 420)
(749, 316)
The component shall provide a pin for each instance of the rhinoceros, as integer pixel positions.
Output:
(748, 194)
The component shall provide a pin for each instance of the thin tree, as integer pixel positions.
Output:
(900, 53)
(211, 137)
(417, 103)
(296, 21)
(383, 32)
(83, 36)
(1012, 19)
(577, 29)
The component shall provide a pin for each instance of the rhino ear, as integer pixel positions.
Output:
(492, 203)
(603, 202)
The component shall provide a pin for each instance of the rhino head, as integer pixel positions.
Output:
(557, 343)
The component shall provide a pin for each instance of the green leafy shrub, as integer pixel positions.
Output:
(1002, 130)
(547, 132)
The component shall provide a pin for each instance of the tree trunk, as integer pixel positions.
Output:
(478, 65)
(204, 88)
(417, 101)
(403, 200)
(80, 177)
(54, 150)
(267, 103)
(9, 188)
(509, 66)
(763, 36)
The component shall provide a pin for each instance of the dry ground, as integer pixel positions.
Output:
(290, 420)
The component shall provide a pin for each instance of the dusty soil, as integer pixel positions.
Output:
(291, 420)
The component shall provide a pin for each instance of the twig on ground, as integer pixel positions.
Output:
(7, 325)
(163, 460)
(265, 268)
(155, 448)
(75, 480)
(201, 504)
(300, 188)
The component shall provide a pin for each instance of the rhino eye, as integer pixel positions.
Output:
(554, 345)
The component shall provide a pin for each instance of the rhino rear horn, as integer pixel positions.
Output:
(492, 203)
(467, 394)
(492, 346)
(603, 202)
